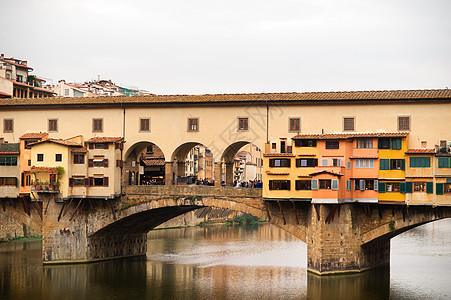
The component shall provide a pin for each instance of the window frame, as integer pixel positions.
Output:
(94, 127)
(58, 157)
(331, 145)
(346, 123)
(40, 157)
(51, 123)
(146, 128)
(8, 125)
(243, 124)
(295, 128)
(194, 127)
(401, 126)
(77, 160)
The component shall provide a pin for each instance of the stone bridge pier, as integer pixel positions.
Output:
(340, 238)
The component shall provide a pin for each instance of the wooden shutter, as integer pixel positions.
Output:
(22, 179)
(71, 182)
(362, 184)
(105, 181)
(335, 184)
(87, 181)
(381, 187)
(429, 187)
(402, 187)
(119, 163)
(348, 185)
(106, 146)
(409, 187)
(403, 164)
(105, 162)
(91, 181)
(91, 145)
(314, 184)
(439, 188)
(90, 163)
(376, 185)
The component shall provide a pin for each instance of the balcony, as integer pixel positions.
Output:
(52, 188)
(365, 153)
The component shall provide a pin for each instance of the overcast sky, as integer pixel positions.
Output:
(208, 46)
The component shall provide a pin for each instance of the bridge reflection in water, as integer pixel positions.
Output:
(229, 263)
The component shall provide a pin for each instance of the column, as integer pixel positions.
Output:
(218, 174)
(168, 173)
(229, 174)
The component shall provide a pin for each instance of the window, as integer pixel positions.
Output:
(324, 162)
(305, 143)
(79, 158)
(348, 185)
(392, 187)
(404, 123)
(384, 143)
(79, 182)
(53, 125)
(396, 144)
(8, 125)
(364, 143)
(8, 181)
(444, 162)
(8, 160)
(359, 163)
(98, 162)
(149, 149)
(336, 162)
(273, 146)
(325, 184)
(243, 124)
(28, 142)
(369, 163)
(419, 187)
(348, 124)
(98, 181)
(280, 162)
(303, 185)
(279, 185)
(97, 125)
(193, 124)
(58, 157)
(447, 188)
(420, 162)
(306, 162)
(365, 184)
(40, 157)
(348, 165)
(332, 145)
(397, 164)
(66, 92)
(295, 125)
(144, 124)
(19, 78)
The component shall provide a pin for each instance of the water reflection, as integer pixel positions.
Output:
(260, 262)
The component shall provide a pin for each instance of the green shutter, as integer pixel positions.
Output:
(396, 144)
(381, 187)
(429, 187)
(409, 187)
(412, 163)
(442, 162)
(439, 188)
(8, 160)
(402, 187)
(16, 182)
(427, 162)
(14, 160)
(448, 180)
(403, 164)
(384, 164)
(2, 160)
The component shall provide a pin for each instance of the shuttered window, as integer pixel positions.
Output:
(381, 187)
(384, 164)
(335, 184)
(429, 187)
(396, 144)
(144, 124)
(439, 187)
(243, 124)
(314, 184)
(444, 162)
(420, 162)
(97, 125)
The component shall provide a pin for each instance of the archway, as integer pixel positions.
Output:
(144, 164)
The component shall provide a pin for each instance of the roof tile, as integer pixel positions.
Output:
(104, 139)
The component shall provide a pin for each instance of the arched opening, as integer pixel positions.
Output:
(241, 165)
(192, 163)
(144, 164)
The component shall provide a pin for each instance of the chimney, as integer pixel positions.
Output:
(2, 56)
(98, 77)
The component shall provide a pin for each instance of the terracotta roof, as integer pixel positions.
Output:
(263, 98)
(33, 135)
(420, 151)
(4, 94)
(277, 173)
(336, 136)
(80, 150)
(13, 62)
(31, 87)
(58, 141)
(43, 169)
(9, 148)
(104, 139)
(326, 171)
(153, 162)
(278, 154)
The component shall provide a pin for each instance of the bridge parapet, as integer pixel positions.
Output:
(192, 190)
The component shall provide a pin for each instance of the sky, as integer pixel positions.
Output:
(245, 46)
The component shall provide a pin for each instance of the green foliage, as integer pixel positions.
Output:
(244, 219)
(391, 225)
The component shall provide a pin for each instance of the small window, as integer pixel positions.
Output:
(279, 185)
(393, 187)
(369, 163)
(295, 125)
(273, 146)
(397, 164)
(336, 162)
(419, 187)
(364, 143)
(66, 92)
(280, 162)
(79, 181)
(306, 162)
(98, 181)
(332, 145)
(243, 124)
(359, 163)
(348, 124)
(303, 185)
(40, 157)
(58, 157)
(348, 185)
(305, 143)
(193, 124)
(144, 124)
(384, 143)
(404, 123)
(8, 125)
(53, 125)
(97, 125)
(420, 162)
(325, 184)
(149, 149)
(79, 158)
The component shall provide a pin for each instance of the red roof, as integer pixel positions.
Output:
(325, 171)
(4, 94)
(58, 141)
(33, 135)
(9, 152)
(13, 62)
(420, 151)
(104, 140)
(153, 162)
(278, 154)
(80, 150)
(335, 136)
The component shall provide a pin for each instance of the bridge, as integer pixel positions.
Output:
(340, 238)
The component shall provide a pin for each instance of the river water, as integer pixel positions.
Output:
(220, 262)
